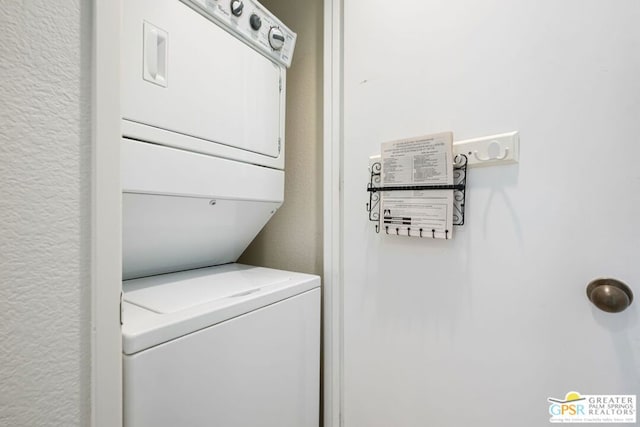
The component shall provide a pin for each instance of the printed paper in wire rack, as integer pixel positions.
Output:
(425, 160)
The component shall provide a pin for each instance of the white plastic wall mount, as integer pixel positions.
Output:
(491, 150)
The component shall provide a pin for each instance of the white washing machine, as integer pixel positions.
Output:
(208, 342)
(227, 346)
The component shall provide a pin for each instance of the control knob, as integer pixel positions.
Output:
(236, 7)
(276, 38)
(255, 22)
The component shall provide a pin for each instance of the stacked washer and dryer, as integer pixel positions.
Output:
(206, 341)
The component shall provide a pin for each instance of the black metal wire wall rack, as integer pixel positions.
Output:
(459, 193)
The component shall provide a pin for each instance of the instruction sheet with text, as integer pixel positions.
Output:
(421, 161)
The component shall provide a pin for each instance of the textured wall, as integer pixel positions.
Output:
(292, 240)
(44, 203)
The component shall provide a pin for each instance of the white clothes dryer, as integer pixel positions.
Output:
(203, 108)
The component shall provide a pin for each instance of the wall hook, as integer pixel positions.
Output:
(421, 232)
(409, 231)
(493, 153)
(397, 231)
(386, 229)
(433, 233)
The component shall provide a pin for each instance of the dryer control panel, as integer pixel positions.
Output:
(252, 23)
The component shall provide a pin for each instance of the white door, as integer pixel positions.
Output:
(481, 330)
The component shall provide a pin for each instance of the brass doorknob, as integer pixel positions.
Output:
(609, 295)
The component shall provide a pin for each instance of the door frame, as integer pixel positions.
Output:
(106, 212)
(332, 214)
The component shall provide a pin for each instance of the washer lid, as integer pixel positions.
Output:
(170, 293)
(160, 308)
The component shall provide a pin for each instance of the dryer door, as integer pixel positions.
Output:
(183, 73)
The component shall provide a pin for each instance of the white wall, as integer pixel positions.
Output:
(292, 240)
(44, 233)
(479, 331)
